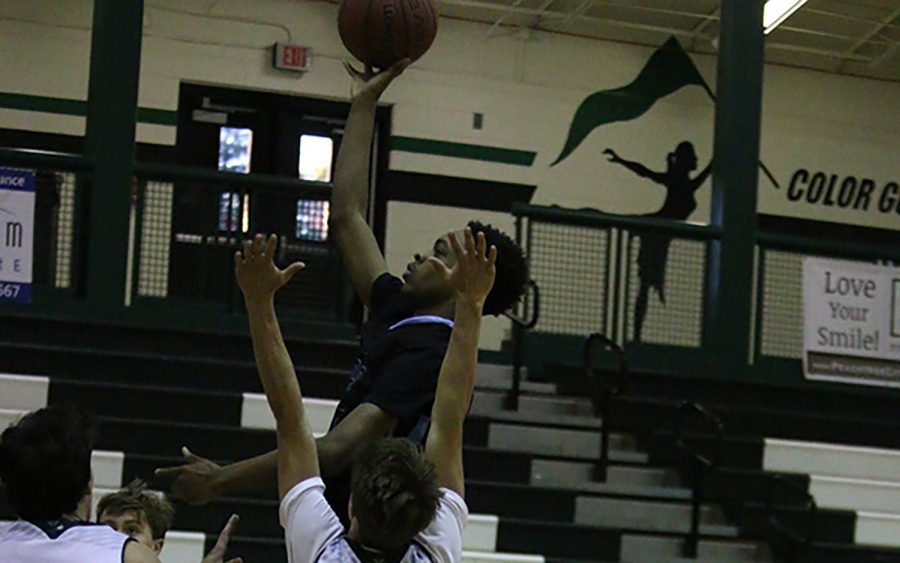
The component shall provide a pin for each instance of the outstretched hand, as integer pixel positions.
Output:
(473, 276)
(192, 482)
(257, 275)
(371, 84)
(612, 156)
(217, 553)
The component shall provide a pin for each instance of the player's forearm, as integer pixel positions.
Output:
(351, 174)
(276, 370)
(252, 475)
(260, 473)
(457, 378)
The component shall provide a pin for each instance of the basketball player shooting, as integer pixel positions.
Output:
(392, 384)
(395, 473)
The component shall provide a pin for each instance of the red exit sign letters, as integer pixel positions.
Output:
(292, 57)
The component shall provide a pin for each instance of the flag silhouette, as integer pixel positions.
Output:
(668, 70)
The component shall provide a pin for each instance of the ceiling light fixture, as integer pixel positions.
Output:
(776, 11)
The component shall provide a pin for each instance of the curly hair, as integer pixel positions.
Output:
(395, 493)
(45, 462)
(149, 507)
(512, 271)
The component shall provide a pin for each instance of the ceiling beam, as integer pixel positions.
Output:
(874, 31)
(707, 21)
(582, 8)
(499, 21)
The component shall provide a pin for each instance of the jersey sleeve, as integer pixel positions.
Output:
(443, 537)
(384, 289)
(309, 522)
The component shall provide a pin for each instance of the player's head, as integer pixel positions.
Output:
(428, 288)
(45, 462)
(138, 513)
(684, 158)
(394, 494)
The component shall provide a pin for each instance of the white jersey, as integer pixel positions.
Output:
(61, 542)
(314, 534)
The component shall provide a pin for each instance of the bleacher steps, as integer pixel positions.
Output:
(561, 443)
(185, 547)
(855, 494)
(649, 516)
(255, 413)
(832, 459)
(876, 528)
(641, 549)
(550, 472)
(23, 392)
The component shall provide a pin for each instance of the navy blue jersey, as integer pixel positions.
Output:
(397, 369)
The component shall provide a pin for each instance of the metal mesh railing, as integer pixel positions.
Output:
(782, 304)
(190, 222)
(569, 264)
(156, 235)
(670, 280)
(611, 274)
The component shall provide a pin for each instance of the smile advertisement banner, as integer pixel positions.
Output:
(851, 322)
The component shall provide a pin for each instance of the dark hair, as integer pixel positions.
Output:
(149, 507)
(512, 272)
(395, 493)
(45, 462)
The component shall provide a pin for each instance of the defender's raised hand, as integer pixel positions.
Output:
(257, 275)
(473, 275)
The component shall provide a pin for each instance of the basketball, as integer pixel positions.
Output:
(381, 32)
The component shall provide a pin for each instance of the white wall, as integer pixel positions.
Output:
(528, 90)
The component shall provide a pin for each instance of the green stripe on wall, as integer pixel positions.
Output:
(461, 150)
(63, 106)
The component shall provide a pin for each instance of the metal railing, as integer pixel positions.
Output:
(701, 464)
(631, 278)
(188, 223)
(601, 393)
(798, 543)
(521, 324)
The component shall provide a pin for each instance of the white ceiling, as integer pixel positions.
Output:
(857, 37)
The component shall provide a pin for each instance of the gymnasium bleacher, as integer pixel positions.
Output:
(531, 474)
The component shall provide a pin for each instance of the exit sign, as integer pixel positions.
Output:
(292, 57)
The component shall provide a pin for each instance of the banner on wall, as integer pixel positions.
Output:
(16, 234)
(852, 322)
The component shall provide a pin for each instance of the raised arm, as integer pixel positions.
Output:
(635, 167)
(702, 176)
(350, 200)
(259, 279)
(472, 278)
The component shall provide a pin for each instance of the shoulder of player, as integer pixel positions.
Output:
(136, 552)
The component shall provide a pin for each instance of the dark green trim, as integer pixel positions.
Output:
(467, 193)
(154, 116)
(64, 106)
(44, 104)
(461, 150)
(157, 116)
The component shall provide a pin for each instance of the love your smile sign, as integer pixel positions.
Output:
(852, 322)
